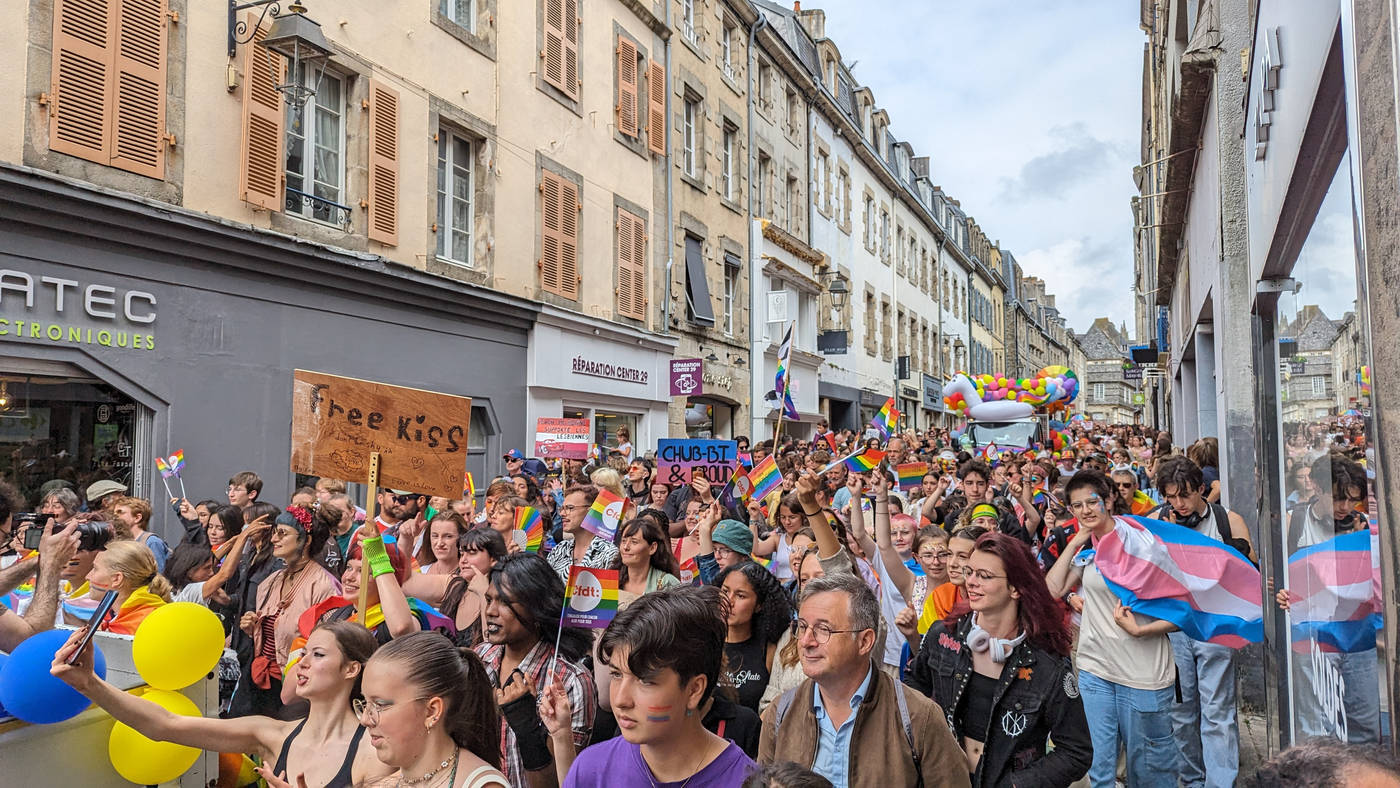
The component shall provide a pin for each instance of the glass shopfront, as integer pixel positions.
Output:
(708, 418)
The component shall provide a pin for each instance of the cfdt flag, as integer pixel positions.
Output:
(590, 600)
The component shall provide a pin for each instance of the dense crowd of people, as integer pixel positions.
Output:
(850, 628)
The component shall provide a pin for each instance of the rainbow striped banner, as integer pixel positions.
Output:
(590, 599)
(528, 520)
(911, 474)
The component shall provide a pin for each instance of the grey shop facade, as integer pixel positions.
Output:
(129, 331)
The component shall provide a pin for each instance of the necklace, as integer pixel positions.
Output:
(430, 775)
(652, 778)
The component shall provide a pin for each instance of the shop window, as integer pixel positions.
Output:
(605, 425)
(707, 418)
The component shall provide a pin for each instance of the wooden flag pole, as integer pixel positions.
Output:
(371, 498)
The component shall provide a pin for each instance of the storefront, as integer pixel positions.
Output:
(611, 374)
(128, 332)
(1320, 156)
(841, 404)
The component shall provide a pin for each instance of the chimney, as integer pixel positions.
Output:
(797, 6)
(919, 164)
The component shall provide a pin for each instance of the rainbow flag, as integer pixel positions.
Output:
(468, 486)
(863, 461)
(765, 478)
(887, 420)
(172, 465)
(528, 519)
(911, 474)
(989, 453)
(590, 598)
(830, 438)
(781, 382)
(608, 512)
(736, 491)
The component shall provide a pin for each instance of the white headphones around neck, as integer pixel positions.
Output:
(979, 640)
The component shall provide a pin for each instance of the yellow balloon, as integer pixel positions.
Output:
(146, 762)
(177, 645)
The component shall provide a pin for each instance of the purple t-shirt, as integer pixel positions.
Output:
(619, 762)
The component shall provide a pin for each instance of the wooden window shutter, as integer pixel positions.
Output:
(571, 76)
(82, 84)
(383, 163)
(552, 65)
(551, 242)
(568, 239)
(260, 173)
(138, 119)
(626, 86)
(631, 266)
(656, 108)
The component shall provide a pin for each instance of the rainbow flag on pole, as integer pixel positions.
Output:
(590, 599)
(528, 520)
(911, 474)
(608, 512)
(781, 381)
(765, 478)
(864, 461)
(172, 465)
(886, 422)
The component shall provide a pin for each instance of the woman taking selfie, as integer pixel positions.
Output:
(327, 748)
(1003, 675)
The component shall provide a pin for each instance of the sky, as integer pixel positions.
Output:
(1030, 113)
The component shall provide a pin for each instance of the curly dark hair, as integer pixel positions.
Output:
(1323, 763)
(773, 611)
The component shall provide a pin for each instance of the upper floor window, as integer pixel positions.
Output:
(454, 199)
(691, 152)
(731, 295)
(726, 48)
(316, 151)
(765, 84)
(794, 111)
(459, 11)
(727, 176)
(688, 21)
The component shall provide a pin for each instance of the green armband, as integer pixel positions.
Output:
(377, 556)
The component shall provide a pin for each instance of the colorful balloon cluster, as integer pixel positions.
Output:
(1052, 389)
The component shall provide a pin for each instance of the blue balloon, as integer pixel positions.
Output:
(3, 659)
(29, 692)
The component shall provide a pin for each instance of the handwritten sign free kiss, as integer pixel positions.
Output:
(421, 436)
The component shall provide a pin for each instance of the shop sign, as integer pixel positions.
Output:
(567, 438)
(602, 369)
(66, 311)
(1132, 373)
(719, 381)
(833, 342)
(421, 436)
(677, 459)
(1139, 399)
(933, 393)
(686, 376)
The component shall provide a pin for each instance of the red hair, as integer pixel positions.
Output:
(1040, 617)
(402, 568)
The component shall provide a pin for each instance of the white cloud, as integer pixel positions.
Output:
(1030, 114)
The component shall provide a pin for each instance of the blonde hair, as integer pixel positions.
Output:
(608, 479)
(137, 564)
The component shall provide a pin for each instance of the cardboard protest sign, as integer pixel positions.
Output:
(421, 436)
(568, 438)
(677, 458)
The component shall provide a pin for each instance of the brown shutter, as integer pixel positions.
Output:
(260, 173)
(138, 120)
(656, 108)
(552, 58)
(568, 239)
(383, 163)
(82, 84)
(626, 86)
(550, 241)
(571, 76)
(631, 266)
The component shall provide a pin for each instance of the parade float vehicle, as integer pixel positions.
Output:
(1011, 413)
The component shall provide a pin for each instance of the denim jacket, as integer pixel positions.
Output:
(1037, 698)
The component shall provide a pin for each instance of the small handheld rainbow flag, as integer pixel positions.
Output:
(468, 486)
(608, 512)
(590, 599)
(736, 492)
(887, 420)
(989, 453)
(528, 519)
(765, 477)
(830, 438)
(172, 465)
(911, 474)
(863, 461)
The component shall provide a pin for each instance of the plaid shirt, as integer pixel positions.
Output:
(576, 680)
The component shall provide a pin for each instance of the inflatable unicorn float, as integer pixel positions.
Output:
(999, 398)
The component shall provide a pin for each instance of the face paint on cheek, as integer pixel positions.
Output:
(658, 714)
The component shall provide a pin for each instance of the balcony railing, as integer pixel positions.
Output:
(322, 210)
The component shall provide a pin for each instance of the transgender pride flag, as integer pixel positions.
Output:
(1208, 589)
(1335, 595)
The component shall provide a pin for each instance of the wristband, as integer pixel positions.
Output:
(817, 513)
(376, 556)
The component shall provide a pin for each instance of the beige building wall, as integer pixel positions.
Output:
(14, 32)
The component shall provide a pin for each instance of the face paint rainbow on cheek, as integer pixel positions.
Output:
(658, 714)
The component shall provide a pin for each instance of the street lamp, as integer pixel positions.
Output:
(838, 290)
(293, 35)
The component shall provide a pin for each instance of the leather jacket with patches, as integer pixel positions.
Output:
(1037, 699)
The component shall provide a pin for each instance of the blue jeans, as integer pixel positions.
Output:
(1205, 721)
(1139, 720)
(1349, 708)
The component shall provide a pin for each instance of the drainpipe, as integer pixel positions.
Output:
(670, 182)
(756, 343)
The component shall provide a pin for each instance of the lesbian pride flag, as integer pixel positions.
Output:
(765, 478)
(887, 420)
(608, 512)
(1335, 595)
(911, 474)
(1165, 571)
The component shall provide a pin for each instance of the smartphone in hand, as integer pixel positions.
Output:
(103, 608)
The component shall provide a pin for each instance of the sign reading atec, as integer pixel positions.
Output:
(421, 436)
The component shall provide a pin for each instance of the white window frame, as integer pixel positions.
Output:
(692, 110)
(731, 292)
(1319, 386)
(1098, 392)
(450, 9)
(727, 170)
(726, 46)
(688, 22)
(313, 110)
(447, 167)
(870, 222)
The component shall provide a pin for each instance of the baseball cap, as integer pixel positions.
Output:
(513, 454)
(734, 535)
(98, 489)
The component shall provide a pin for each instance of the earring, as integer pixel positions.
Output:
(690, 712)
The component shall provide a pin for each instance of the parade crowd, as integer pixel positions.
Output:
(851, 628)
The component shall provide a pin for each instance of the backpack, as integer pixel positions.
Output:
(785, 703)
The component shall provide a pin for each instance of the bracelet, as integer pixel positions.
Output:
(817, 513)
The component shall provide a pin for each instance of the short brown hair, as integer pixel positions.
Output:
(332, 486)
(138, 507)
(249, 481)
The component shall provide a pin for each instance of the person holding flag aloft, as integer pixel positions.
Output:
(582, 544)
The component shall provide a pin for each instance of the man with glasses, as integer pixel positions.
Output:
(1204, 720)
(849, 717)
(580, 546)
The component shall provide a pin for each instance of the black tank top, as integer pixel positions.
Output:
(342, 778)
(746, 670)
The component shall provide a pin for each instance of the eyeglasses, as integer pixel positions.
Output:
(399, 498)
(820, 632)
(369, 710)
(982, 575)
(1125, 485)
(1089, 504)
(569, 507)
(941, 555)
